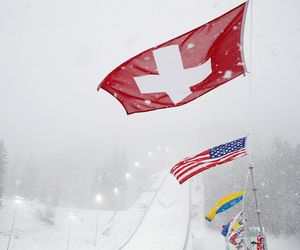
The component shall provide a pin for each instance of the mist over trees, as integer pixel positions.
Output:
(75, 180)
(110, 180)
(69, 179)
(277, 175)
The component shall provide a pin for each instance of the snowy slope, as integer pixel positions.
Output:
(162, 226)
(31, 233)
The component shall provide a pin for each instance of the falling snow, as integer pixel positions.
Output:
(190, 45)
(227, 74)
(101, 127)
(147, 102)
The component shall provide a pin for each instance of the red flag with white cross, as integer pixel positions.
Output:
(182, 69)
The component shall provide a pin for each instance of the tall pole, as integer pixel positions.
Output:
(258, 212)
(69, 234)
(12, 228)
(96, 234)
(98, 200)
(250, 128)
(71, 217)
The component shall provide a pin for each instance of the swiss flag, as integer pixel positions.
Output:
(182, 69)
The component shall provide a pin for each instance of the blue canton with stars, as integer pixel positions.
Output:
(227, 148)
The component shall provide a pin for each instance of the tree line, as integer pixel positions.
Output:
(277, 175)
(75, 180)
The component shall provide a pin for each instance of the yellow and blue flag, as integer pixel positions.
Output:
(234, 224)
(225, 203)
(235, 231)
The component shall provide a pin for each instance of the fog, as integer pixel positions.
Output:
(54, 54)
(63, 137)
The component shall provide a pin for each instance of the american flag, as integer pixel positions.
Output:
(212, 157)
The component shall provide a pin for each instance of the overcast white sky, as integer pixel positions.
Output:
(54, 54)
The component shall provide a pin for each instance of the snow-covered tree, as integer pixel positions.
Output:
(277, 174)
(279, 180)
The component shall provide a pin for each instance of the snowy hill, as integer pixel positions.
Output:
(163, 226)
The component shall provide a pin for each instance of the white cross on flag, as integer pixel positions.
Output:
(182, 69)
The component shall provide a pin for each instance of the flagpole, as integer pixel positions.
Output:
(251, 167)
(258, 212)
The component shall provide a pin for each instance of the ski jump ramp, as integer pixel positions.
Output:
(166, 223)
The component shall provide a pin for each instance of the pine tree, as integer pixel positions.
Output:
(3, 161)
(277, 177)
(279, 186)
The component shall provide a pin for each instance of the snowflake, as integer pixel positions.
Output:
(190, 45)
(147, 102)
(227, 74)
(239, 47)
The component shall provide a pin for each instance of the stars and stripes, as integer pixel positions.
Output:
(193, 165)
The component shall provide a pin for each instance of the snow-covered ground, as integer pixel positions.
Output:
(31, 233)
(164, 226)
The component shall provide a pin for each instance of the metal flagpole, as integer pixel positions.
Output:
(251, 167)
(254, 188)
